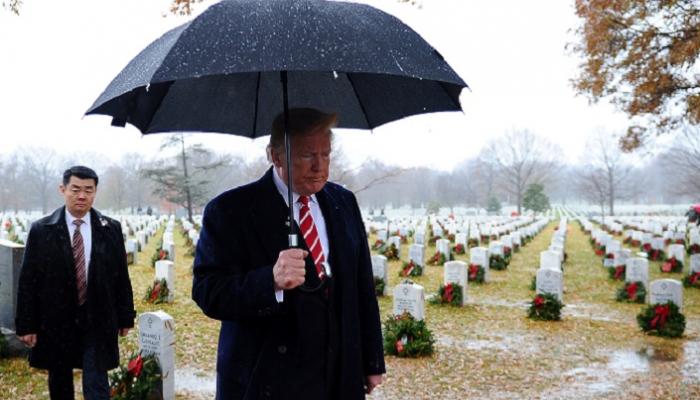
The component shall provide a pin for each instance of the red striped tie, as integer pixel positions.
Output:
(308, 230)
(79, 258)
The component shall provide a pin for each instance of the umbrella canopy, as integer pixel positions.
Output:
(220, 72)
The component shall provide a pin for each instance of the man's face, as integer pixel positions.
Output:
(311, 157)
(79, 195)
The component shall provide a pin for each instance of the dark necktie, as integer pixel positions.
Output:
(79, 258)
(308, 230)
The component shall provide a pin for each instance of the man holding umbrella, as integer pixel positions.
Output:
(297, 323)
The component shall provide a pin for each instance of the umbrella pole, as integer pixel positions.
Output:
(292, 238)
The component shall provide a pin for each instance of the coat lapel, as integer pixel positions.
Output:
(59, 234)
(98, 244)
(269, 215)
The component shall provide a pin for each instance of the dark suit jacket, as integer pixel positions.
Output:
(243, 231)
(47, 297)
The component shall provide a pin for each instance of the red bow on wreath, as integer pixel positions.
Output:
(156, 291)
(632, 291)
(539, 302)
(473, 271)
(448, 295)
(161, 255)
(669, 265)
(135, 366)
(619, 270)
(694, 278)
(409, 268)
(661, 313)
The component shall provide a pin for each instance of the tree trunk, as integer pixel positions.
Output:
(187, 182)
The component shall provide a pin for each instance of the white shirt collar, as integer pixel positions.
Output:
(70, 218)
(282, 189)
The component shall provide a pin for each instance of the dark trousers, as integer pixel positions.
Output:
(95, 384)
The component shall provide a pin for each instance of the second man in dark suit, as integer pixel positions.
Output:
(74, 294)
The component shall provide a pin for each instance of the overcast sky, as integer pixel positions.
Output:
(58, 56)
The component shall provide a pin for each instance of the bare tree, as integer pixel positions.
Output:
(606, 164)
(522, 158)
(41, 173)
(683, 163)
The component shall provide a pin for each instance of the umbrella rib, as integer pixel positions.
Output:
(362, 106)
(257, 100)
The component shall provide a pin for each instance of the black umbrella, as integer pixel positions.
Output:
(241, 62)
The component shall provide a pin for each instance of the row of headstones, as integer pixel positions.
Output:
(637, 270)
(645, 231)
(165, 269)
(615, 255)
(409, 296)
(143, 229)
(550, 275)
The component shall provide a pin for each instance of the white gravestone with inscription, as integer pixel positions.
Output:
(416, 253)
(166, 270)
(456, 273)
(694, 263)
(379, 269)
(443, 246)
(157, 336)
(409, 297)
(480, 256)
(663, 290)
(637, 270)
(677, 251)
(419, 238)
(396, 241)
(549, 281)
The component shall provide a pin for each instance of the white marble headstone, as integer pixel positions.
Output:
(663, 290)
(166, 270)
(157, 336)
(694, 263)
(409, 297)
(416, 253)
(549, 281)
(677, 251)
(550, 260)
(637, 270)
(456, 272)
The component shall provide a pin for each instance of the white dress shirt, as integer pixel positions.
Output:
(316, 214)
(85, 231)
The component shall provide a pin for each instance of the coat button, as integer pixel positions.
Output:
(282, 349)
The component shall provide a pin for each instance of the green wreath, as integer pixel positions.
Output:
(390, 252)
(404, 336)
(497, 262)
(632, 292)
(410, 269)
(475, 273)
(159, 254)
(663, 320)
(617, 273)
(157, 293)
(671, 265)
(437, 259)
(545, 307)
(141, 379)
(692, 280)
(378, 245)
(379, 285)
(449, 294)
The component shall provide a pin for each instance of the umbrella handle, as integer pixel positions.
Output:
(292, 238)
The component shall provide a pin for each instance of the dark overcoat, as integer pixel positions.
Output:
(243, 232)
(47, 296)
